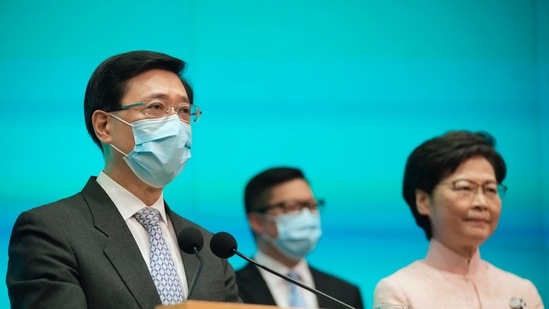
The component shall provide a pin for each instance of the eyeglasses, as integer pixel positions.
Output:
(293, 206)
(468, 189)
(157, 108)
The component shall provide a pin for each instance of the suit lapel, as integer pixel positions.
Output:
(190, 262)
(120, 246)
(256, 287)
(322, 285)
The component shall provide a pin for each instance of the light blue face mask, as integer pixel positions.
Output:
(298, 233)
(162, 148)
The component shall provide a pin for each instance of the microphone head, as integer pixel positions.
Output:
(190, 238)
(223, 245)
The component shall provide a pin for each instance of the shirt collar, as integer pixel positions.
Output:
(127, 203)
(302, 268)
(443, 258)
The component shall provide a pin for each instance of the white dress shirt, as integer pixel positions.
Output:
(128, 204)
(280, 288)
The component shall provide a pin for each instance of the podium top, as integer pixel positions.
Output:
(197, 304)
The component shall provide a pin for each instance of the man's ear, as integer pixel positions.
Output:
(423, 202)
(101, 126)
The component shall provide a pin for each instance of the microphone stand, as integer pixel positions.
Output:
(198, 271)
(316, 292)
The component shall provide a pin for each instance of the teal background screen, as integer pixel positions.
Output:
(341, 89)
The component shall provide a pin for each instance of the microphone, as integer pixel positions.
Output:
(191, 241)
(224, 246)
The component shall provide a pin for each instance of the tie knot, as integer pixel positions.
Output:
(148, 217)
(294, 275)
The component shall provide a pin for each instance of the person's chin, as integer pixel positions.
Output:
(479, 233)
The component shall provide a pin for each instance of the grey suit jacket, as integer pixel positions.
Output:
(254, 290)
(79, 253)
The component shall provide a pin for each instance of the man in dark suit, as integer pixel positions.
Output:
(104, 246)
(283, 215)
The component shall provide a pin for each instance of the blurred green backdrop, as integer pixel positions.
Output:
(342, 89)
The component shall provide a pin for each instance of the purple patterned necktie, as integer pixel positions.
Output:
(162, 266)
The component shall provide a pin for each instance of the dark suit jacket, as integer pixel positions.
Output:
(79, 253)
(252, 289)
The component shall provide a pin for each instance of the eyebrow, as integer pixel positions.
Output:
(470, 180)
(286, 201)
(166, 97)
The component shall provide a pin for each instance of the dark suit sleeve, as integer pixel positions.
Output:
(336, 287)
(42, 270)
(358, 302)
(230, 284)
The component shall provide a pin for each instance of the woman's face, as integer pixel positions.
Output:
(464, 208)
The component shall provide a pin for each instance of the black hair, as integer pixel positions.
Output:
(108, 83)
(260, 183)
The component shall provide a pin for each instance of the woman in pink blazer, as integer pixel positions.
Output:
(453, 186)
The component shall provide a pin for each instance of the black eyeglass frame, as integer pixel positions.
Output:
(283, 206)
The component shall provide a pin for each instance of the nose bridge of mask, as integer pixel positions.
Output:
(301, 222)
(155, 129)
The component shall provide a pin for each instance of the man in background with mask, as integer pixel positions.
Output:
(114, 244)
(283, 215)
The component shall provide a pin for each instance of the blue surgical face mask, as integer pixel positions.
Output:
(162, 148)
(298, 233)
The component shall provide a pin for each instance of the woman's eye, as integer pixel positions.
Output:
(465, 189)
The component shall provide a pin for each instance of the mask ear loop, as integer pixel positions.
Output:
(123, 121)
(114, 147)
(264, 235)
(120, 119)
